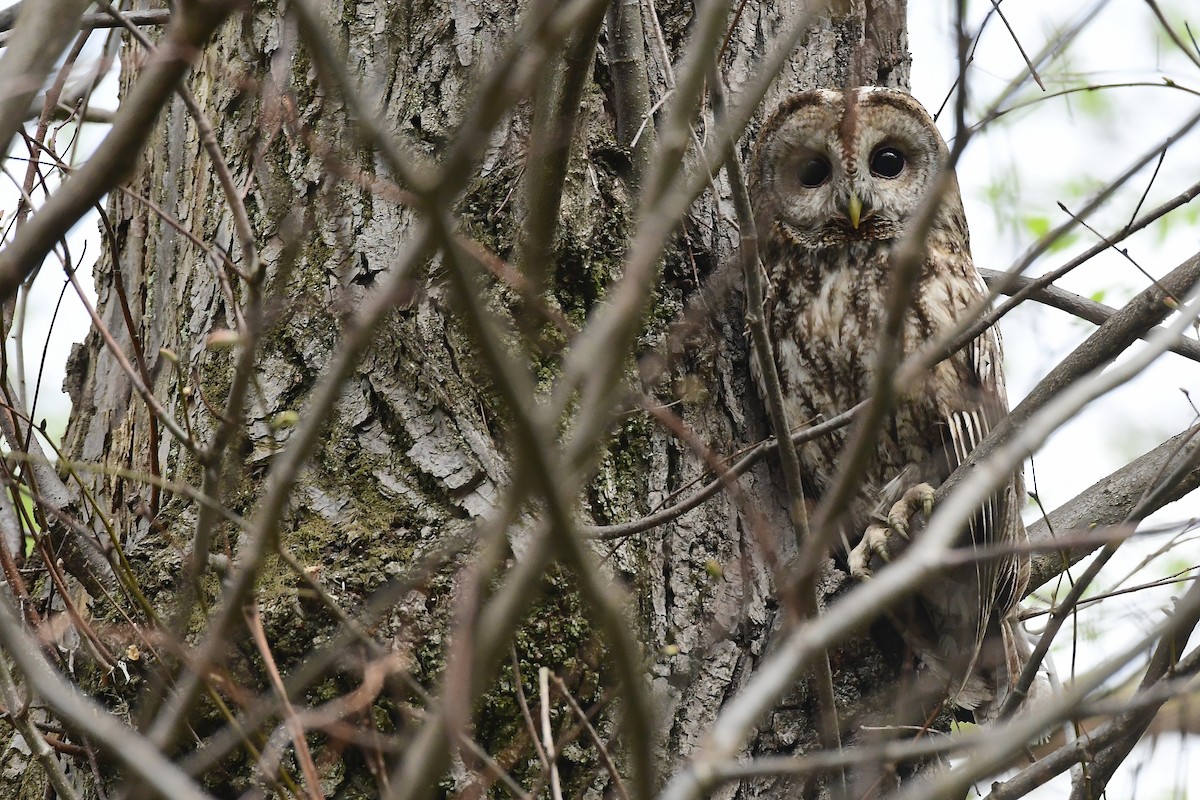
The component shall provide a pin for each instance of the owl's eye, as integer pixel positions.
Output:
(887, 162)
(814, 172)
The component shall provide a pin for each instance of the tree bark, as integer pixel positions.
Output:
(417, 447)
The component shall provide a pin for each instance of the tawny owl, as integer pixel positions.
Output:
(836, 177)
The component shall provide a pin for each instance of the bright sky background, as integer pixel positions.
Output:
(1030, 160)
(1034, 159)
(48, 323)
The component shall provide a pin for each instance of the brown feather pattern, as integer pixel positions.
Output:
(830, 284)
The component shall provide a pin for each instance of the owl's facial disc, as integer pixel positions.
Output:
(827, 174)
(896, 156)
(826, 211)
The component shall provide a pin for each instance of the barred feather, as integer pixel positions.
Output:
(830, 289)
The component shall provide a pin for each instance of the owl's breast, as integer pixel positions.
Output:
(826, 334)
(823, 332)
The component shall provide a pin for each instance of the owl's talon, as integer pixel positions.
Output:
(874, 543)
(916, 498)
(878, 538)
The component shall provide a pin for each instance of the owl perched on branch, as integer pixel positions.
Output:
(835, 179)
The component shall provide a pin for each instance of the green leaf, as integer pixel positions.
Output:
(1037, 225)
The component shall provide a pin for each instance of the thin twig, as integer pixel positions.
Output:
(295, 726)
(752, 270)
(134, 752)
(1079, 306)
(18, 715)
(739, 468)
(548, 732)
(1017, 40)
(189, 30)
(1193, 56)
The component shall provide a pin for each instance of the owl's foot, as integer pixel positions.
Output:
(878, 539)
(875, 542)
(915, 498)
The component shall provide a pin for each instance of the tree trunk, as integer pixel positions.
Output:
(418, 446)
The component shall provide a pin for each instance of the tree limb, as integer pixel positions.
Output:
(1118, 332)
(43, 30)
(1076, 305)
(1108, 502)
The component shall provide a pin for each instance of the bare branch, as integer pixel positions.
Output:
(18, 713)
(1108, 502)
(43, 30)
(115, 156)
(1080, 750)
(1011, 738)
(1111, 339)
(138, 755)
(1076, 305)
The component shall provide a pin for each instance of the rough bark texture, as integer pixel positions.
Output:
(416, 448)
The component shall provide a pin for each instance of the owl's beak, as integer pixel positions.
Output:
(854, 209)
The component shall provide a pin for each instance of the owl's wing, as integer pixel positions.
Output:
(979, 407)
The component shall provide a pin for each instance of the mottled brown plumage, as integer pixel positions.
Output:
(836, 177)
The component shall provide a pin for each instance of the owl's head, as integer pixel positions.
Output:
(835, 167)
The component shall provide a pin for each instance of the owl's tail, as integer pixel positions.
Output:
(983, 681)
(1005, 672)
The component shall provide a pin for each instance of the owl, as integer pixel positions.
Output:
(835, 179)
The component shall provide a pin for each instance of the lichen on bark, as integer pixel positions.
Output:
(417, 446)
